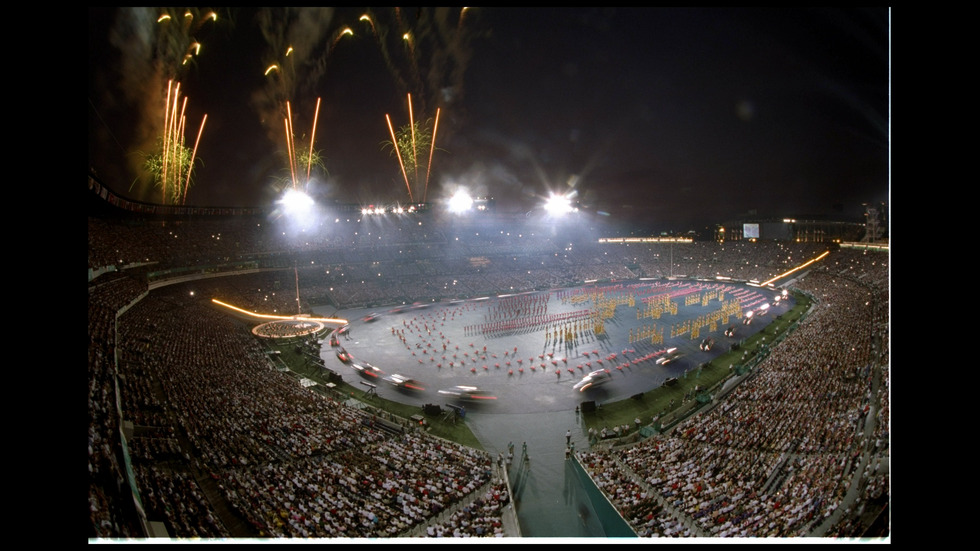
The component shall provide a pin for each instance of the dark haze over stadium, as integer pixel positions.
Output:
(676, 117)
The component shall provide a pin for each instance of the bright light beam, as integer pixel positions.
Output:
(411, 122)
(460, 202)
(394, 141)
(187, 185)
(178, 151)
(796, 269)
(270, 316)
(432, 147)
(289, 151)
(558, 205)
(309, 162)
(297, 207)
(166, 138)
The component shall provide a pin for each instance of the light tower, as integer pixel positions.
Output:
(872, 229)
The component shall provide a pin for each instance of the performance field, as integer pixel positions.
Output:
(531, 353)
(515, 367)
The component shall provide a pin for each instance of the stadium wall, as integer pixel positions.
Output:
(614, 525)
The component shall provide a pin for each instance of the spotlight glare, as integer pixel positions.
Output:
(297, 208)
(296, 202)
(460, 202)
(558, 205)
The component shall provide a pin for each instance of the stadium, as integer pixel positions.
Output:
(416, 275)
(223, 404)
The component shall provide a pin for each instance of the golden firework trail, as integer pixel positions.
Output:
(309, 162)
(394, 141)
(289, 152)
(187, 184)
(290, 148)
(166, 140)
(172, 157)
(179, 146)
(411, 123)
(432, 148)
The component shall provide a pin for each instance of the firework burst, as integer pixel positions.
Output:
(427, 52)
(304, 38)
(298, 159)
(405, 145)
(175, 48)
(172, 168)
(176, 44)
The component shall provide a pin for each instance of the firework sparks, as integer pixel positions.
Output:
(173, 167)
(406, 143)
(187, 184)
(382, 45)
(293, 157)
(309, 162)
(176, 43)
(158, 46)
(435, 39)
(289, 153)
(306, 38)
(432, 148)
(411, 123)
(302, 40)
(346, 31)
(401, 163)
(438, 40)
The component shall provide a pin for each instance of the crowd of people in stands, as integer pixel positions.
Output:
(108, 513)
(288, 461)
(214, 422)
(776, 456)
(478, 520)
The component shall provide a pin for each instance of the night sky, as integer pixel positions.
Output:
(676, 117)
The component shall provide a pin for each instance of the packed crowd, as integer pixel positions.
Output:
(775, 457)
(109, 514)
(365, 486)
(477, 520)
(210, 407)
(287, 460)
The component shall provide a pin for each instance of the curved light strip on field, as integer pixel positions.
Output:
(800, 267)
(271, 317)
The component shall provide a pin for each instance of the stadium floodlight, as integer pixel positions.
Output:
(295, 202)
(297, 208)
(558, 205)
(460, 202)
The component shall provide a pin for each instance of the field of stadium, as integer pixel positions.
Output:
(530, 369)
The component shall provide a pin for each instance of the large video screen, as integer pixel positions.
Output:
(776, 230)
(750, 231)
